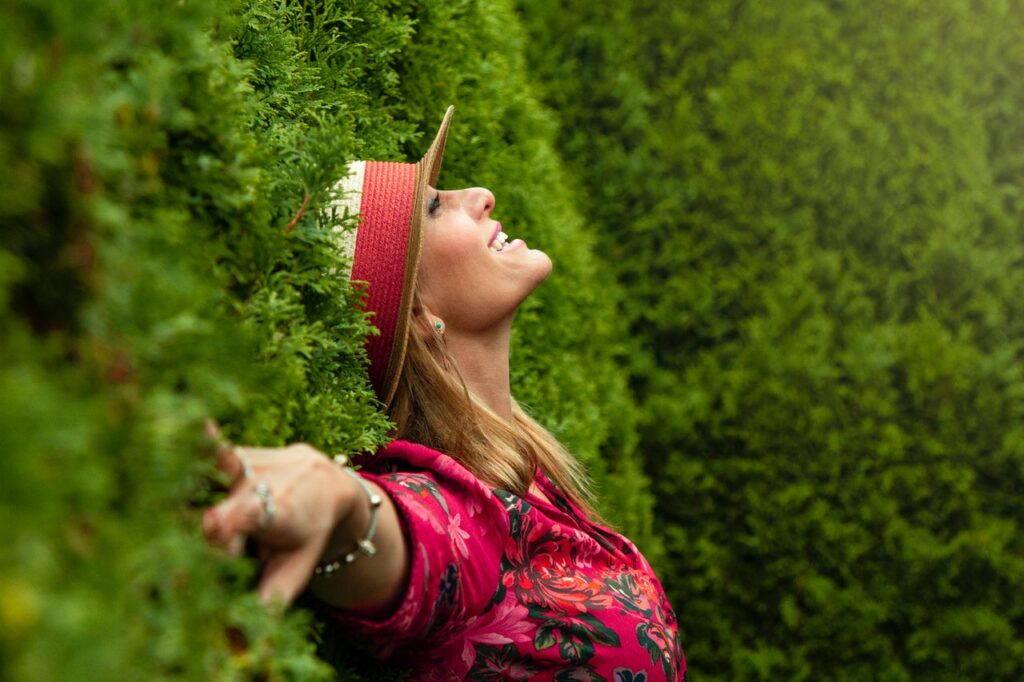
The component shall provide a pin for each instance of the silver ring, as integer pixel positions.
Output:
(263, 492)
(244, 459)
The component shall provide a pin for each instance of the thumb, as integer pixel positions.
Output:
(285, 574)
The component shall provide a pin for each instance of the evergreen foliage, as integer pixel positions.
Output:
(165, 255)
(815, 209)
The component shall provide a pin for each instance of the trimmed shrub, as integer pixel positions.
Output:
(165, 256)
(815, 211)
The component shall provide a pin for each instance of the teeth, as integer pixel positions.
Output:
(499, 242)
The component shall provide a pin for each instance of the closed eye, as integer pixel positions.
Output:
(434, 204)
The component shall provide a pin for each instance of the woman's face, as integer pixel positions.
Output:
(470, 276)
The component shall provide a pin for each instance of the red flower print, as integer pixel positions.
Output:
(558, 587)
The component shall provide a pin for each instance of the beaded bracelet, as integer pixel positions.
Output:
(361, 547)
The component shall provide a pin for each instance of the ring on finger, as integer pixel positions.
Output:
(267, 499)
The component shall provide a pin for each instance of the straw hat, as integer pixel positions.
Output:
(385, 248)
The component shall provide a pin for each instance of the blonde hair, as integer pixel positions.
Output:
(432, 406)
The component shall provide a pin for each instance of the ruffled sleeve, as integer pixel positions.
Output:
(456, 529)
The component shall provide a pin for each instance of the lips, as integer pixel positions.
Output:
(498, 239)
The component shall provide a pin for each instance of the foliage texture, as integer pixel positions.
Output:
(815, 210)
(166, 255)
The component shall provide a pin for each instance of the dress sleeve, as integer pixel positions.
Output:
(456, 530)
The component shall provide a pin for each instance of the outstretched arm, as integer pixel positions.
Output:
(319, 513)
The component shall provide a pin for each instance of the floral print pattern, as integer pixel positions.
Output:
(511, 588)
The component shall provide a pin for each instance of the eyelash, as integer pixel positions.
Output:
(434, 204)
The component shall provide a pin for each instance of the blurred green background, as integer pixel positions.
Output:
(784, 329)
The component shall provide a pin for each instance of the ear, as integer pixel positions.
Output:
(427, 322)
(434, 325)
(424, 310)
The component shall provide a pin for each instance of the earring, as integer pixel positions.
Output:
(439, 327)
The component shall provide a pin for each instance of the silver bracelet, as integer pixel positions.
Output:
(363, 547)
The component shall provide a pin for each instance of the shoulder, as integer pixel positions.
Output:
(421, 474)
(403, 454)
(404, 457)
(456, 529)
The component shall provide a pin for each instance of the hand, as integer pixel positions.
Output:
(307, 494)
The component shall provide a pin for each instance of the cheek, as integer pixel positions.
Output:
(448, 268)
(463, 283)
(449, 246)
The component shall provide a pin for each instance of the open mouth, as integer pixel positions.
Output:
(498, 243)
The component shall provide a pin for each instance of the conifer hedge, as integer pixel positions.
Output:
(816, 211)
(165, 255)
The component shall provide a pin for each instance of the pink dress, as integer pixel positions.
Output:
(503, 587)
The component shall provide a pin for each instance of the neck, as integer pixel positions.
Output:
(483, 361)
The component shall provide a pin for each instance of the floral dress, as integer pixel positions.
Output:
(503, 587)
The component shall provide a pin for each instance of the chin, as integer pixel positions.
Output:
(541, 268)
(542, 264)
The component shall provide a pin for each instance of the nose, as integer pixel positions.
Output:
(481, 202)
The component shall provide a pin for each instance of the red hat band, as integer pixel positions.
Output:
(385, 249)
(380, 254)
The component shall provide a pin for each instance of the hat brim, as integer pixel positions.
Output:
(427, 171)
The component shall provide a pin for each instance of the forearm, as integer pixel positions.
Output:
(371, 584)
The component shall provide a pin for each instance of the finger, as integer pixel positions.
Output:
(231, 459)
(236, 545)
(220, 445)
(211, 429)
(285, 575)
(240, 514)
(214, 437)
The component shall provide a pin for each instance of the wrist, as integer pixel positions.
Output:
(356, 512)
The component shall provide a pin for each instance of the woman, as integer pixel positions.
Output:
(469, 552)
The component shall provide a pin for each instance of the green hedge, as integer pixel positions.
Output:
(164, 257)
(816, 211)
